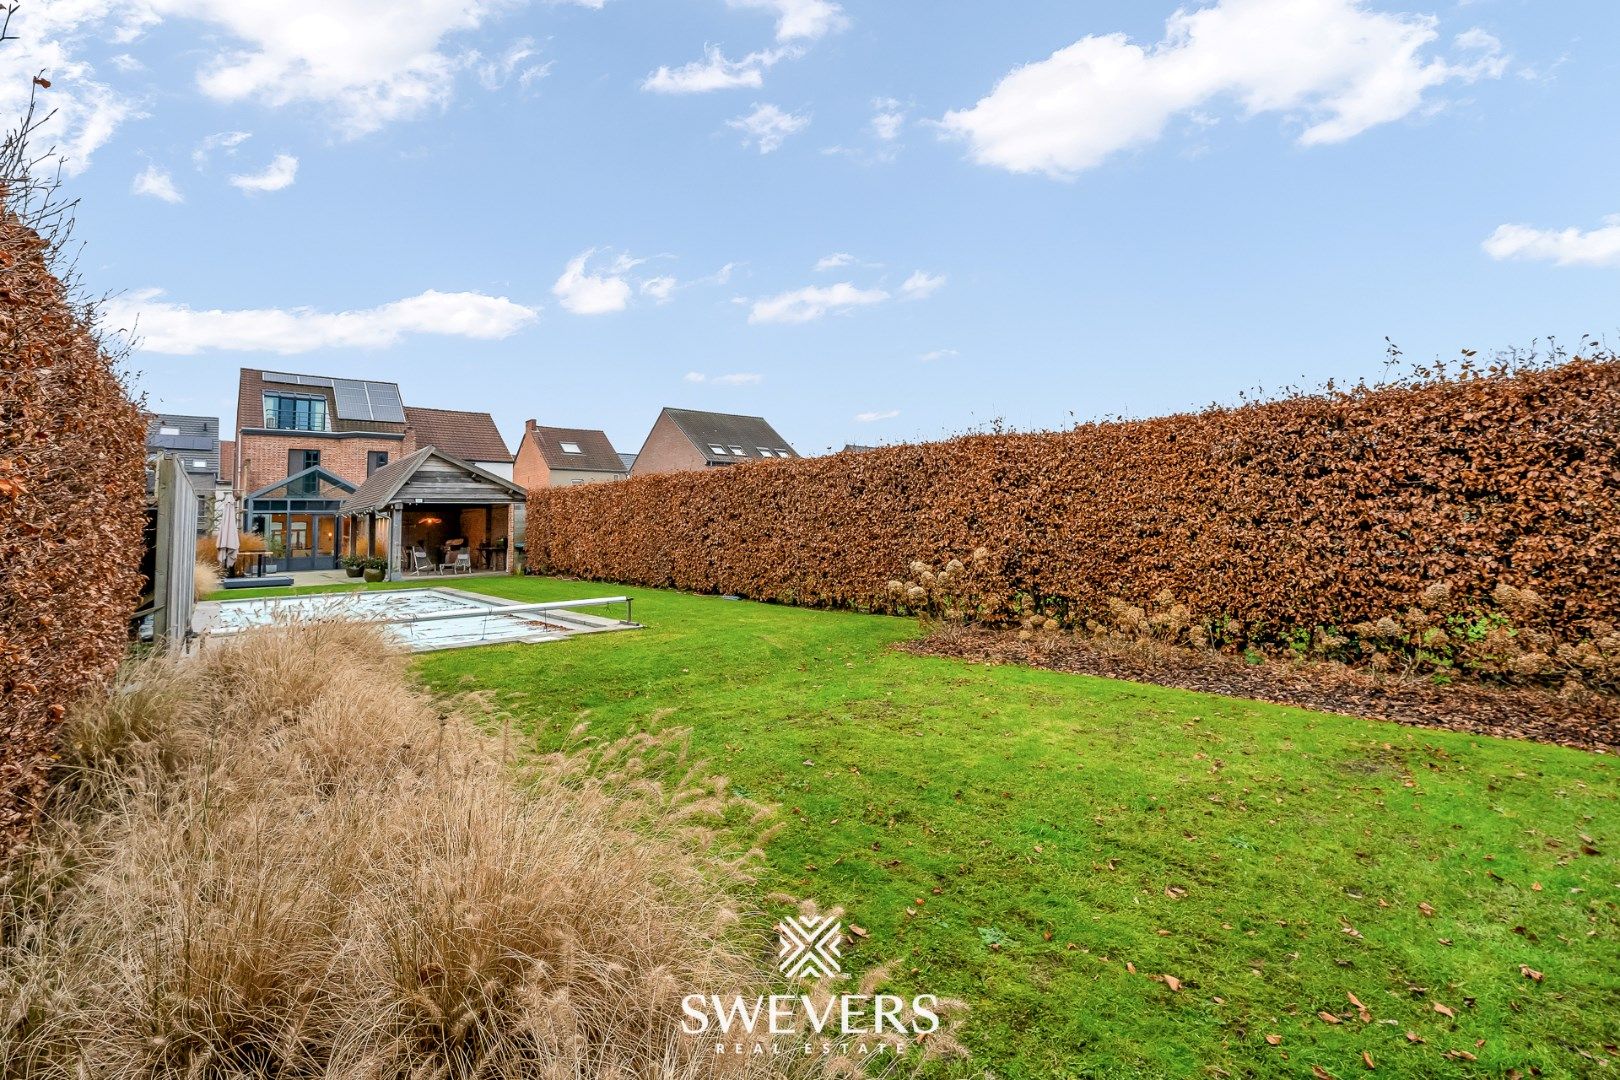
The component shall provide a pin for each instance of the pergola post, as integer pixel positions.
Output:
(396, 526)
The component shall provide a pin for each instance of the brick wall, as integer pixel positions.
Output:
(530, 470)
(263, 458)
(667, 450)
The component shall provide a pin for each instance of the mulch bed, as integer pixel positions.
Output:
(1585, 720)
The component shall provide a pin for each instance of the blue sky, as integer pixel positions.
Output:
(868, 222)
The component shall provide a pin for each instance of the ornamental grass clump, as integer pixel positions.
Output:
(279, 859)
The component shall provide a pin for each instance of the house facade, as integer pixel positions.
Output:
(560, 457)
(683, 439)
(305, 443)
(194, 442)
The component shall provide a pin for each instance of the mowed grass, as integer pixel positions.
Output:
(1023, 840)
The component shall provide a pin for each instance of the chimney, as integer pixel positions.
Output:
(529, 425)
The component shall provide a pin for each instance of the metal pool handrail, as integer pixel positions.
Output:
(509, 609)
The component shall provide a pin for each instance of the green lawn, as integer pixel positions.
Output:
(1272, 860)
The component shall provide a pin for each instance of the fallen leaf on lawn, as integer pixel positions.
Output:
(1047, 936)
(1366, 1059)
(1366, 1017)
(1460, 1055)
(1321, 1073)
(858, 931)
(1530, 973)
(1427, 908)
(1172, 982)
(1535, 886)
(1444, 1011)
(1328, 1018)
(1174, 893)
(1162, 933)
(1274, 1040)
(1413, 1037)
(1130, 967)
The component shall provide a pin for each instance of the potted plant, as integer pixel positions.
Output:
(375, 569)
(278, 551)
(354, 565)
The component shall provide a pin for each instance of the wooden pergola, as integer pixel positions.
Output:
(432, 495)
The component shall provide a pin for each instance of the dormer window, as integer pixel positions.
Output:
(571, 448)
(737, 451)
(294, 412)
(168, 431)
(716, 449)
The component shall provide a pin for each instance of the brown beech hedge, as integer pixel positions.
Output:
(72, 493)
(1313, 511)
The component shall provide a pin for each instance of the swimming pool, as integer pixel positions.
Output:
(420, 619)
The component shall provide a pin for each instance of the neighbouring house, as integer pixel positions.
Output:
(427, 507)
(629, 462)
(470, 436)
(559, 457)
(194, 442)
(856, 448)
(683, 439)
(306, 443)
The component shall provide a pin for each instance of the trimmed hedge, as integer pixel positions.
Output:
(1311, 511)
(72, 506)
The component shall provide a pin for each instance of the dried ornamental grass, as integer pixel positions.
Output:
(279, 859)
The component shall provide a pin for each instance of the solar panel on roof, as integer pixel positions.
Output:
(296, 380)
(361, 399)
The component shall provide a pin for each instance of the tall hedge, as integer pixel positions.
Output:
(1316, 510)
(72, 493)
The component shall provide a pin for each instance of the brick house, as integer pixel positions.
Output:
(683, 439)
(305, 443)
(558, 457)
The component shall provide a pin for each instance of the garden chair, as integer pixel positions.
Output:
(461, 564)
(419, 561)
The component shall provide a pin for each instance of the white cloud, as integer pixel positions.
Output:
(736, 378)
(604, 292)
(767, 126)
(366, 63)
(834, 261)
(937, 354)
(872, 417)
(921, 285)
(280, 173)
(495, 72)
(1334, 65)
(812, 302)
(1566, 247)
(800, 20)
(227, 141)
(888, 117)
(127, 63)
(166, 327)
(157, 183)
(661, 288)
(715, 72)
(84, 110)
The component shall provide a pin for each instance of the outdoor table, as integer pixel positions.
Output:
(256, 558)
(487, 556)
